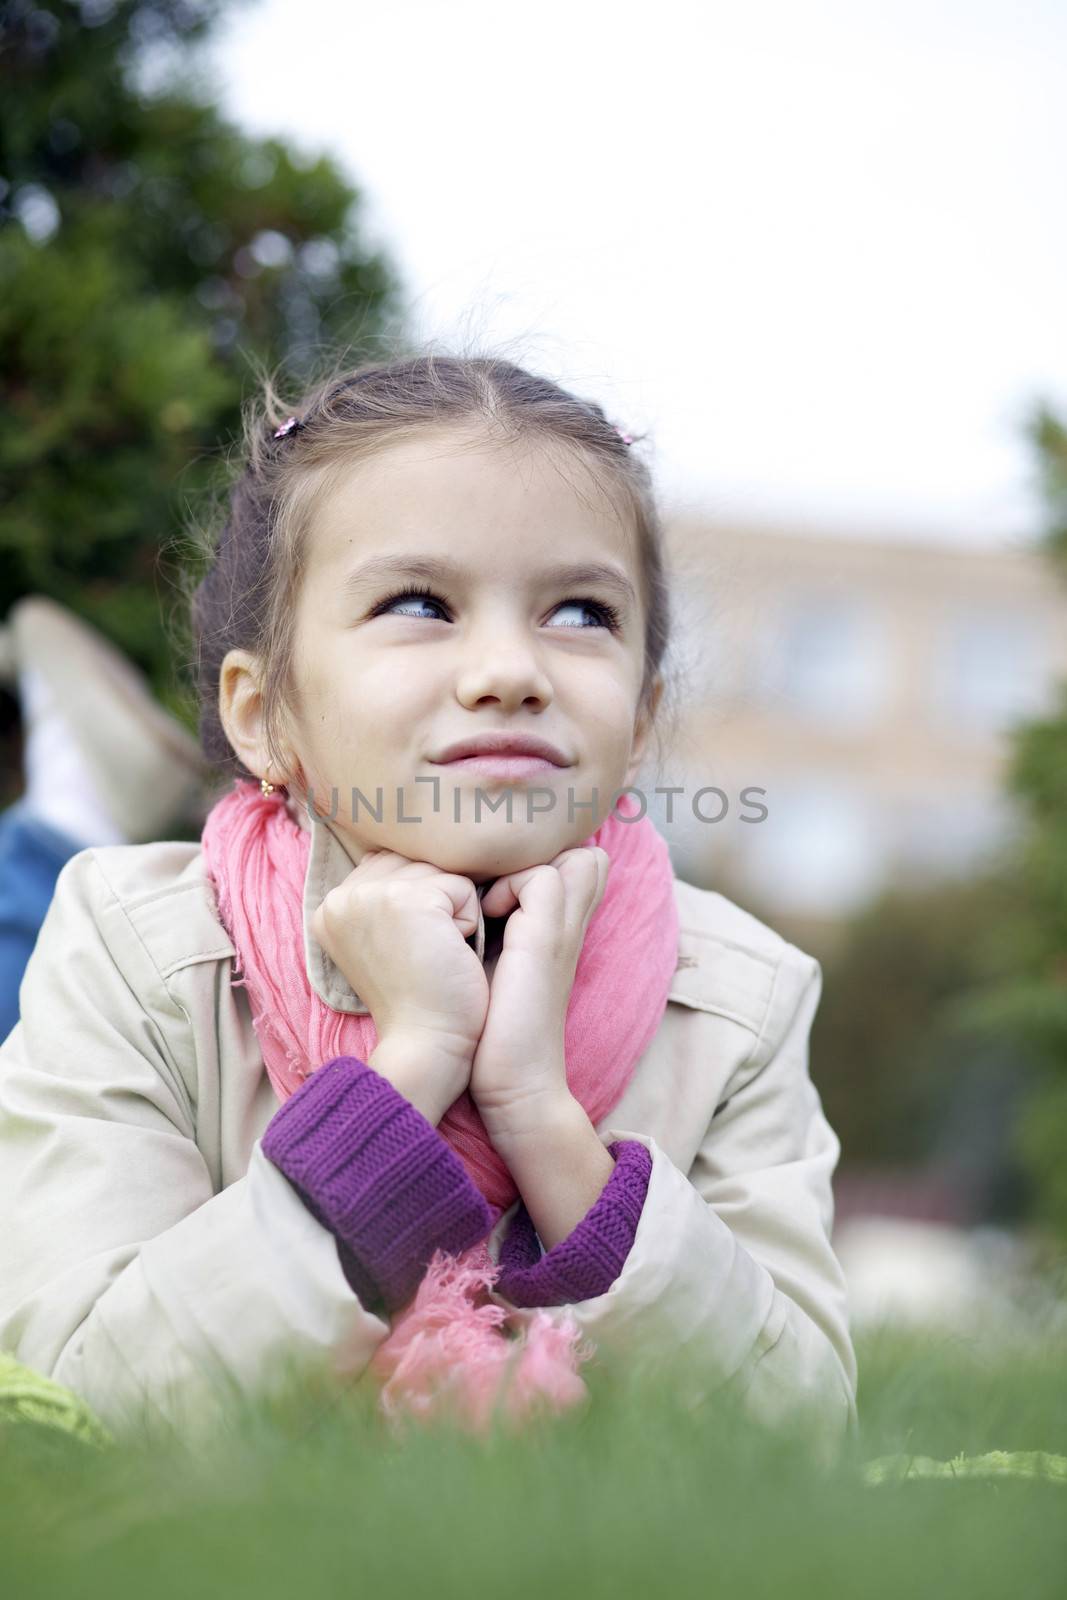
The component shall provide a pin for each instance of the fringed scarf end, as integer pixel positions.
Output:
(453, 1353)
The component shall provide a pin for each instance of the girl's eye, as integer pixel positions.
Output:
(410, 591)
(608, 614)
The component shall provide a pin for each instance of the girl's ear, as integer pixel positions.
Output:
(241, 709)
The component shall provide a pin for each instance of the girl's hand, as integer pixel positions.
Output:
(518, 1077)
(396, 929)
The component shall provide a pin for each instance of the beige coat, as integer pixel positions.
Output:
(149, 1247)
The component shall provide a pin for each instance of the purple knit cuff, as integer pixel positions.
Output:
(374, 1171)
(587, 1262)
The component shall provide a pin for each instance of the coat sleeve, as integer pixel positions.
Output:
(123, 1275)
(732, 1272)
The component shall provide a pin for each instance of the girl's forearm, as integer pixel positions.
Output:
(560, 1169)
(428, 1078)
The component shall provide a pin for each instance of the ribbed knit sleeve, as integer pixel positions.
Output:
(374, 1171)
(587, 1262)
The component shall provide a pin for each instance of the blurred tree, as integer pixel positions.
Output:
(151, 256)
(905, 1079)
(1030, 1007)
(941, 1036)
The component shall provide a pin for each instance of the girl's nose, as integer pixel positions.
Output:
(512, 675)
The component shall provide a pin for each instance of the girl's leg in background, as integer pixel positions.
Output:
(104, 765)
(32, 852)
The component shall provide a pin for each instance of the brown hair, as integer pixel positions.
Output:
(246, 597)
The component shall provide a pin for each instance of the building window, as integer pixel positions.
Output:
(819, 851)
(826, 659)
(990, 669)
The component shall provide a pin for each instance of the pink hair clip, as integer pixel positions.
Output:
(627, 438)
(286, 427)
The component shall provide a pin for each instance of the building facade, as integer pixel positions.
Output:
(846, 710)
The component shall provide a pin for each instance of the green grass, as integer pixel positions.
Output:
(310, 1494)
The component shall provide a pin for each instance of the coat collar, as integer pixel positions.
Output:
(328, 865)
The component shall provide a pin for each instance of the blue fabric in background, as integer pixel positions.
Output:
(32, 854)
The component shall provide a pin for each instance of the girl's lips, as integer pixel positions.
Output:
(500, 766)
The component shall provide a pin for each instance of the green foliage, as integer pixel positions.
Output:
(153, 259)
(1048, 435)
(901, 1061)
(942, 1034)
(1030, 1003)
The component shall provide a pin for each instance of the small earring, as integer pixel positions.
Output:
(265, 788)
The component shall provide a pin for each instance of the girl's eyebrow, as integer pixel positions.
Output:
(434, 569)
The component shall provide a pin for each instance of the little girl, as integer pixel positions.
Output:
(421, 1064)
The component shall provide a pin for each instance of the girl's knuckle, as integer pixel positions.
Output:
(331, 906)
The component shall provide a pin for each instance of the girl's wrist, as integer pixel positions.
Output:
(425, 1074)
(529, 1121)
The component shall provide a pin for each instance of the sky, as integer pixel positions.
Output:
(816, 250)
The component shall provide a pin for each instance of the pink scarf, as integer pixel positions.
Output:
(448, 1349)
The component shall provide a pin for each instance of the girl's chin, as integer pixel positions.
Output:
(472, 864)
(482, 875)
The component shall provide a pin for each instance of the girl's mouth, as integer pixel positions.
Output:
(500, 766)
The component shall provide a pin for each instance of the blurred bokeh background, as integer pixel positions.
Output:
(816, 255)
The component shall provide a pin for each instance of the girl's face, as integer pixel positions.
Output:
(499, 638)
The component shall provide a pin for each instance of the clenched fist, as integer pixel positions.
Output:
(396, 929)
